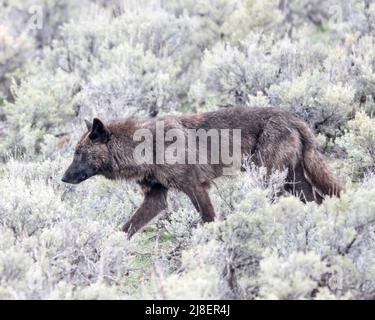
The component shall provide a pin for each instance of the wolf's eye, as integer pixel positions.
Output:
(78, 155)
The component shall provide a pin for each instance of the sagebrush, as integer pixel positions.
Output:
(114, 59)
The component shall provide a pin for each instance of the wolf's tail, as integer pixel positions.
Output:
(314, 165)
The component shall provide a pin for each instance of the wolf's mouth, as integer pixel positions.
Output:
(79, 179)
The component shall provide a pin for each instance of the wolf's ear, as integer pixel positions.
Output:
(99, 132)
(88, 125)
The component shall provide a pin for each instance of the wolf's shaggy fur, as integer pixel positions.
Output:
(270, 137)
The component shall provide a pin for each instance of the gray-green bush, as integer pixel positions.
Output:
(114, 59)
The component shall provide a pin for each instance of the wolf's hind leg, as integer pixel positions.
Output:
(278, 145)
(298, 185)
(154, 202)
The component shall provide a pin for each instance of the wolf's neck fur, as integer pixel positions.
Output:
(121, 147)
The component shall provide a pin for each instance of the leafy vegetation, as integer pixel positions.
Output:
(113, 59)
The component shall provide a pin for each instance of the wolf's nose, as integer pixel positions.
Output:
(64, 179)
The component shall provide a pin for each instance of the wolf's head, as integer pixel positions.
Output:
(91, 155)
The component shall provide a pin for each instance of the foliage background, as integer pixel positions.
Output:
(63, 61)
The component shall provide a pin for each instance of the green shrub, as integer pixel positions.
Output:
(286, 250)
(113, 59)
(359, 143)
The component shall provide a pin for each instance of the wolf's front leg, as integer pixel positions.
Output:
(200, 198)
(154, 202)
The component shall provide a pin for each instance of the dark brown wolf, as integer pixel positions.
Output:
(271, 138)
